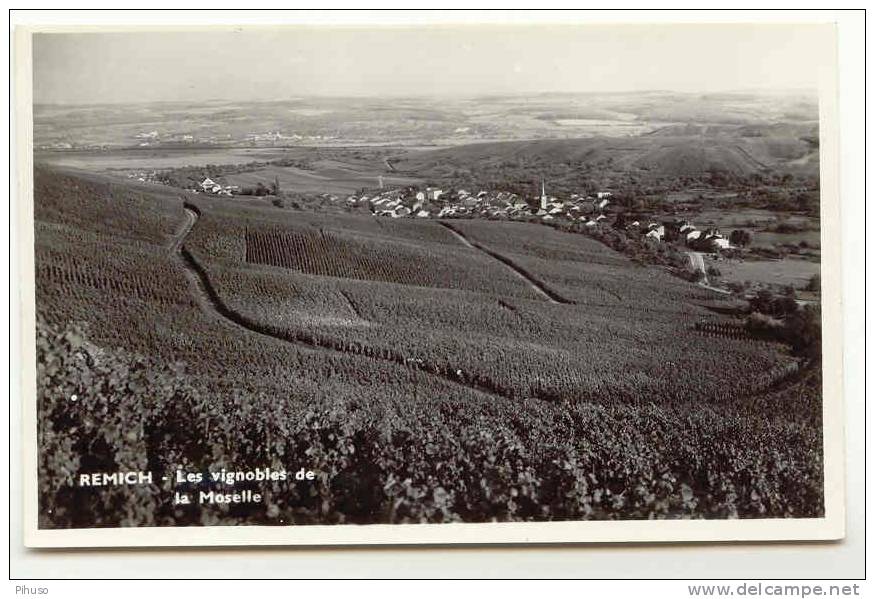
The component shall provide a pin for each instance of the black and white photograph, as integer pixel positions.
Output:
(292, 279)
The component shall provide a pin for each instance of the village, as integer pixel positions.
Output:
(590, 210)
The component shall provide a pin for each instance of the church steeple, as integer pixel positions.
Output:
(543, 195)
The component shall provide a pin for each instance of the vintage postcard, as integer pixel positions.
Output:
(434, 284)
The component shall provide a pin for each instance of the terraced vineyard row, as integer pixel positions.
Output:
(321, 253)
(348, 255)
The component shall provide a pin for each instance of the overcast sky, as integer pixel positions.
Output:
(273, 64)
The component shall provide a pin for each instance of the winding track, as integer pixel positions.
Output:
(210, 303)
(541, 289)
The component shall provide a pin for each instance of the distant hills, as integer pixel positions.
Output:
(427, 121)
(675, 151)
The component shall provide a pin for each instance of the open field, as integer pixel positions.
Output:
(788, 271)
(324, 177)
(159, 158)
(424, 379)
(328, 171)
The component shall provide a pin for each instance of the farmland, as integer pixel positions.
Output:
(422, 378)
(301, 170)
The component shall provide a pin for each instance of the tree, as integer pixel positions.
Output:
(741, 237)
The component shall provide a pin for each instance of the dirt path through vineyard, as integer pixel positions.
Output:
(541, 289)
(210, 303)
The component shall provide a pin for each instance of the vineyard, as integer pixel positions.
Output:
(555, 352)
(421, 379)
(324, 253)
(348, 248)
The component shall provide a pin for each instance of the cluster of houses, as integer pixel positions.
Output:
(272, 137)
(398, 203)
(428, 202)
(210, 186)
(153, 138)
(589, 210)
(144, 176)
(682, 231)
(709, 238)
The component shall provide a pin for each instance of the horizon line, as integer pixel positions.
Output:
(420, 96)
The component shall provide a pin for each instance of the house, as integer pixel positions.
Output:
(716, 240)
(721, 242)
(603, 194)
(657, 230)
(602, 204)
(469, 202)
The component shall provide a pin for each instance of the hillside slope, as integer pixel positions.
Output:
(663, 155)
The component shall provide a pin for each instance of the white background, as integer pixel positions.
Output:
(843, 560)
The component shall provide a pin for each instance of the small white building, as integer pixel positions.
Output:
(719, 241)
